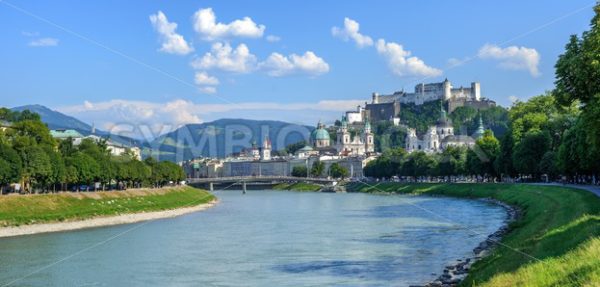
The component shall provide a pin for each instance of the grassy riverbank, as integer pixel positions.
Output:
(559, 227)
(298, 186)
(18, 210)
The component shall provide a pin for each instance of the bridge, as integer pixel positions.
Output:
(244, 180)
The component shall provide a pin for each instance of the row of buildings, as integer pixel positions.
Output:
(353, 145)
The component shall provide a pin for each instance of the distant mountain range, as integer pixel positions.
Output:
(216, 139)
(57, 120)
(222, 137)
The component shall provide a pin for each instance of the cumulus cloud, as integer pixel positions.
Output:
(202, 78)
(350, 32)
(206, 83)
(402, 63)
(205, 23)
(278, 65)
(513, 57)
(273, 38)
(223, 57)
(44, 42)
(136, 117)
(172, 42)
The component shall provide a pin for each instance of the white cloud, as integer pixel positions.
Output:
(278, 65)
(206, 25)
(202, 78)
(513, 99)
(273, 38)
(350, 31)
(206, 83)
(513, 57)
(44, 42)
(172, 42)
(401, 63)
(135, 116)
(223, 57)
(208, 90)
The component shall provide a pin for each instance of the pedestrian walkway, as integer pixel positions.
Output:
(591, 188)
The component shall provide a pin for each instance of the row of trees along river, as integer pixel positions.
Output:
(30, 156)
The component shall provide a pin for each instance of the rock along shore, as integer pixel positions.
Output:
(100, 221)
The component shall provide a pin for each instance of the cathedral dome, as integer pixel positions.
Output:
(320, 134)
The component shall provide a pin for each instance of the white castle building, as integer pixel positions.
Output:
(439, 137)
(431, 92)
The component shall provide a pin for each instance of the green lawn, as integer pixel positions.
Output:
(559, 226)
(29, 209)
(298, 186)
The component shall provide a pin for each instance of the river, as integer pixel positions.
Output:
(263, 238)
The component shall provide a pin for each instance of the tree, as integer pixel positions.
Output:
(548, 165)
(11, 172)
(58, 172)
(299, 171)
(488, 149)
(317, 169)
(529, 152)
(452, 161)
(419, 164)
(338, 171)
(503, 163)
(87, 168)
(37, 167)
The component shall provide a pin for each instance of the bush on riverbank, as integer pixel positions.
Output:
(298, 186)
(29, 209)
(559, 226)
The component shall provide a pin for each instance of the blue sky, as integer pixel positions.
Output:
(124, 62)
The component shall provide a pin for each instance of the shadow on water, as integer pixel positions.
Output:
(385, 269)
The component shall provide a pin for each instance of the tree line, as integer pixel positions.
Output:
(554, 135)
(31, 157)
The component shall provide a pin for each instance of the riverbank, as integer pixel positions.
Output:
(555, 241)
(31, 214)
(298, 186)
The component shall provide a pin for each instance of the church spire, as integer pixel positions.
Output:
(480, 129)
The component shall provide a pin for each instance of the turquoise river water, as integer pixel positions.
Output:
(263, 238)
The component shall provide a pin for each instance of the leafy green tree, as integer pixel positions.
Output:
(87, 168)
(487, 150)
(317, 169)
(419, 164)
(299, 171)
(529, 152)
(338, 171)
(453, 161)
(37, 167)
(13, 172)
(58, 173)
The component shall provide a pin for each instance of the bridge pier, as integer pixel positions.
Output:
(211, 186)
(243, 187)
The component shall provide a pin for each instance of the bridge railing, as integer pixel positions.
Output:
(255, 178)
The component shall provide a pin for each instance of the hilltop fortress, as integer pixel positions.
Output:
(387, 107)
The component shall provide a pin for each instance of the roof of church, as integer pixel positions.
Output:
(458, 139)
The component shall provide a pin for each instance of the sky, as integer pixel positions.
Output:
(161, 64)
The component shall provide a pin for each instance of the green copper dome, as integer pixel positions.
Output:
(320, 134)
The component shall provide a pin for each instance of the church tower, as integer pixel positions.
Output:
(343, 136)
(369, 140)
(266, 149)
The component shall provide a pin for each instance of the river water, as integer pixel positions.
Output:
(263, 238)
